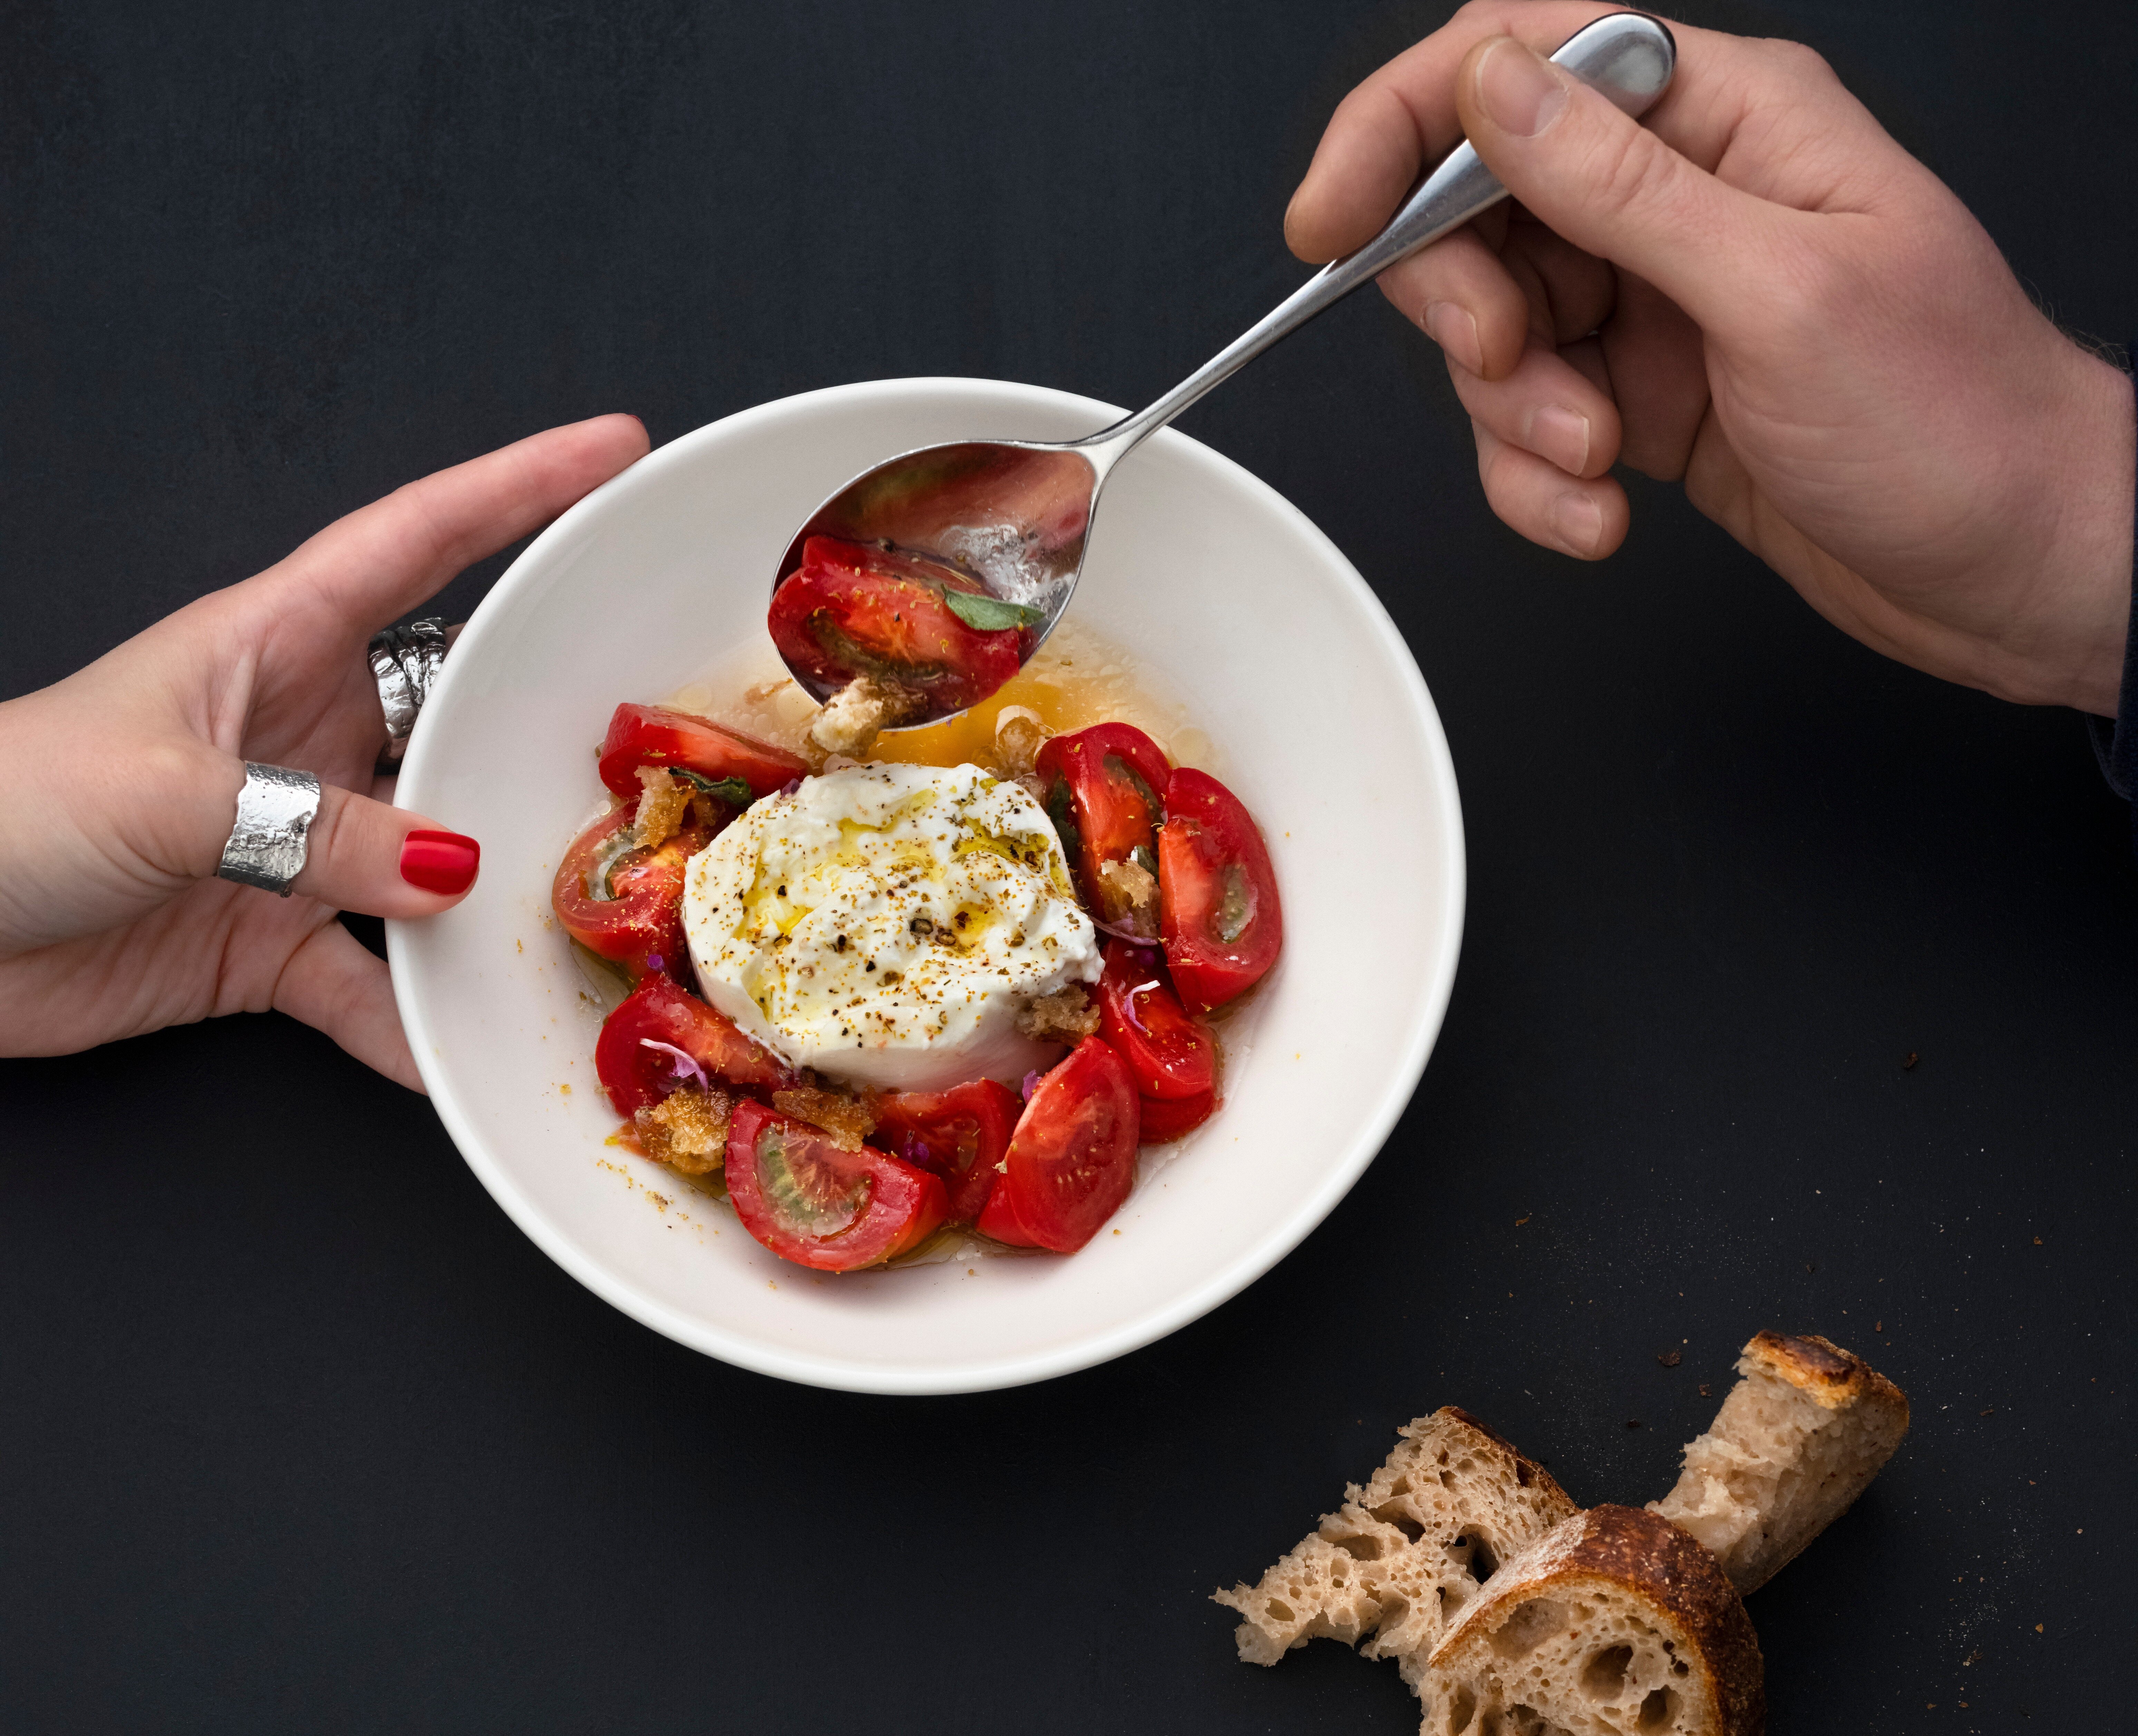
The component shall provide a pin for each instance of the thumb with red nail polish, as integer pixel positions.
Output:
(444, 862)
(365, 856)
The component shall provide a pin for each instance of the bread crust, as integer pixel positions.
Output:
(1821, 1367)
(1679, 1586)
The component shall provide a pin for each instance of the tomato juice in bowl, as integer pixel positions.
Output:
(1226, 597)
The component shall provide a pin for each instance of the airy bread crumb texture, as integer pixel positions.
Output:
(1390, 1568)
(1615, 1623)
(1799, 1436)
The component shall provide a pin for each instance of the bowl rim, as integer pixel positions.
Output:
(404, 939)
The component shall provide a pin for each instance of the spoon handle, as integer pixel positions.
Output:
(1628, 56)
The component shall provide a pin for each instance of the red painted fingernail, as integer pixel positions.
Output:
(440, 862)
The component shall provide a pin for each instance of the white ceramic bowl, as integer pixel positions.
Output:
(1242, 608)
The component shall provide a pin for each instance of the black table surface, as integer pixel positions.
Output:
(298, 1432)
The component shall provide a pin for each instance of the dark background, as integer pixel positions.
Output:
(297, 1432)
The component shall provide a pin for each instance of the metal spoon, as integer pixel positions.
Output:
(1016, 514)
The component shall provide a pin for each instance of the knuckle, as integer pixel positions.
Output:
(1797, 61)
(1496, 469)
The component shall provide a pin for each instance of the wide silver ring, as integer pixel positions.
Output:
(268, 843)
(405, 661)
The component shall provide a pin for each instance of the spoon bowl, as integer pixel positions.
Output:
(1016, 515)
(1013, 513)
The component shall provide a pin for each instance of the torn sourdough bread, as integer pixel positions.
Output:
(1392, 1567)
(1615, 1621)
(1798, 1438)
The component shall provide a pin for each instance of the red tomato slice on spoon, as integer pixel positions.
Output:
(1172, 1053)
(1072, 1159)
(959, 1134)
(812, 1201)
(1218, 905)
(622, 904)
(661, 1033)
(855, 609)
(655, 736)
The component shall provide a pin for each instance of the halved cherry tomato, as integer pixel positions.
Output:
(999, 1222)
(960, 1134)
(1218, 905)
(1106, 790)
(1172, 1053)
(818, 1204)
(654, 735)
(633, 1056)
(1071, 1160)
(853, 609)
(1168, 1118)
(622, 904)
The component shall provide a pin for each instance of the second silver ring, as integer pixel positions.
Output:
(405, 661)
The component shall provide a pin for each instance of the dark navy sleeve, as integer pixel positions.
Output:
(2115, 743)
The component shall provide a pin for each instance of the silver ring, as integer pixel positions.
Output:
(267, 844)
(405, 661)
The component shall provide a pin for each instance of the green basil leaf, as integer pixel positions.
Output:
(991, 614)
(733, 791)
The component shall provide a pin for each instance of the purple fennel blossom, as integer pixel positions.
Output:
(682, 1065)
(1128, 1005)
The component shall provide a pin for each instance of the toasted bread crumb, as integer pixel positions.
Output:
(687, 1129)
(1064, 1017)
(854, 716)
(1019, 735)
(848, 1118)
(1128, 897)
(660, 807)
